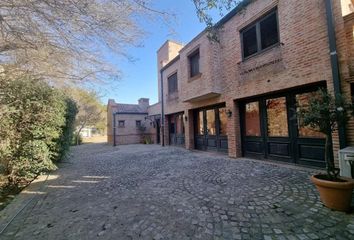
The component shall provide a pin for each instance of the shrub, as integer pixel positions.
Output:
(147, 139)
(36, 121)
(68, 129)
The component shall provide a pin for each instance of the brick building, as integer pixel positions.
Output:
(132, 123)
(239, 95)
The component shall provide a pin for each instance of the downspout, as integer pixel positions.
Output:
(334, 64)
(162, 111)
(114, 129)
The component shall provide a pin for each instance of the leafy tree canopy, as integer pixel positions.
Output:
(326, 113)
(91, 112)
(205, 7)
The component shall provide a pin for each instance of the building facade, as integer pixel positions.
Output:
(131, 123)
(239, 95)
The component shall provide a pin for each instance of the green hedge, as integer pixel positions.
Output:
(36, 126)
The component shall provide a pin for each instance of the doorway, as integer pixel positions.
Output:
(158, 130)
(176, 129)
(271, 129)
(211, 129)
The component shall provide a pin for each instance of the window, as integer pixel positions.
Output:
(260, 35)
(172, 83)
(179, 124)
(138, 123)
(269, 31)
(194, 63)
(121, 123)
(302, 101)
(252, 119)
(200, 123)
(277, 117)
(250, 42)
(210, 118)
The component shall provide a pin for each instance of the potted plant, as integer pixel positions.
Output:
(325, 113)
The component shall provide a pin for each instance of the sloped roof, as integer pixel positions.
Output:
(129, 108)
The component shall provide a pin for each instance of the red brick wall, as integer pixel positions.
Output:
(347, 63)
(301, 58)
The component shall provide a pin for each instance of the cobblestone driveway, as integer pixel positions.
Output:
(150, 192)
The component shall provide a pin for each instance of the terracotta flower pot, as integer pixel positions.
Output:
(335, 195)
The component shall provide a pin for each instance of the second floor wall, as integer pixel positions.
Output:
(299, 56)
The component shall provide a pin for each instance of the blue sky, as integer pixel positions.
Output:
(140, 77)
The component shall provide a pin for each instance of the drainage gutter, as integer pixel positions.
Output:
(334, 64)
(162, 110)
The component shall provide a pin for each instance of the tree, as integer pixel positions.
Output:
(204, 8)
(91, 110)
(325, 113)
(101, 125)
(64, 40)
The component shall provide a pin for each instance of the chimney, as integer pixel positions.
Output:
(144, 103)
(167, 52)
(111, 102)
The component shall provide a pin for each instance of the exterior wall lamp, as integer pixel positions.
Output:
(185, 118)
(229, 113)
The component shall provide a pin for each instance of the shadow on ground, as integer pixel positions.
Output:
(150, 192)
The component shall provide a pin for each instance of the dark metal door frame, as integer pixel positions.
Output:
(176, 139)
(295, 143)
(276, 140)
(202, 141)
(158, 131)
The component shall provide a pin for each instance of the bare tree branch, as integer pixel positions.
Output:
(61, 38)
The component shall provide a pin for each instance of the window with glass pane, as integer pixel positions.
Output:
(223, 121)
(194, 63)
(121, 123)
(172, 83)
(269, 31)
(250, 41)
(277, 117)
(252, 119)
(200, 124)
(302, 101)
(260, 35)
(210, 118)
(180, 124)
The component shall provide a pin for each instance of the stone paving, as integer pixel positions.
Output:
(150, 192)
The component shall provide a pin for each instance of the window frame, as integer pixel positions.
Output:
(169, 85)
(259, 120)
(257, 24)
(190, 57)
(352, 92)
(136, 123)
(119, 123)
